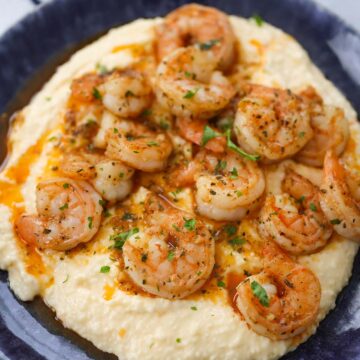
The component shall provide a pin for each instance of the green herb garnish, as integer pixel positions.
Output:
(260, 293)
(105, 269)
(96, 93)
(190, 224)
(235, 148)
(122, 237)
(208, 44)
(258, 19)
(209, 134)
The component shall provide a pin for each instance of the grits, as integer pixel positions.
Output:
(96, 304)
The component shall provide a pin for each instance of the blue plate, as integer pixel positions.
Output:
(28, 331)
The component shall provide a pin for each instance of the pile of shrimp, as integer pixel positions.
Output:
(187, 121)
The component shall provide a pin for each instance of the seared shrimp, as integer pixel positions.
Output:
(173, 255)
(111, 178)
(283, 300)
(196, 24)
(273, 123)
(138, 146)
(340, 198)
(188, 85)
(294, 220)
(331, 131)
(126, 93)
(228, 187)
(68, 213)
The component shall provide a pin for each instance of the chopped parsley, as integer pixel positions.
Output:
(209, 134)
(221, 284)
(122, 237)
(221, 165)
(237, 241)
(193, 308)
(128, 216)
(313, 207)
(146, 112)
(178, 340)
(53, 138)
(235, 148)
(66, 185)
(191, 93)
(152, 143)
(96, 93)
(116, 131)
(101, 69)
(176, 227)
(90, 222)
(208, 44)
(335, 221)
(144, 257)
(300, 199)
(238, 193)
(190, 224)
(301, 134)
(105, 269)
(258, 19)
(230, 229)
(164, 124)
(66, 279)
(260, 293)
(171, 255)
(234, 173)
(65, 206)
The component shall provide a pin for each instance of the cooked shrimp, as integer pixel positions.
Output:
(107, 122)
(294, 220)
(111, 178)
(273, 123)
(68, 213)
(228, 187)
(283, 300)
(126, 93)
(188, 86)
(331, 131)
(196, 24)
(339, 200)
(138, 146)
(193, 130)
(173, 255)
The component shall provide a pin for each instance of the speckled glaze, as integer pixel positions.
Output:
(29, 331)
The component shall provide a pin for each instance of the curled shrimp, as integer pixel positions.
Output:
(125, 93)
(331, 131)
(188, 85)
(294, 219)
(191, 24)
(339, 198)
(68, 213)
(228, 187)
(193, 130)
(138, 146)
(110, 178)
(283, 300)
(173, 255)
(273, 123)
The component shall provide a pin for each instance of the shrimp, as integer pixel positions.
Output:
(111, 178)
(283, 300)
(228, 187)
(339, 198)
(188, 86)
(294, 220)
(331, 131)
(273, 123)
(173, 255)
(193, 130)
(191, 24)
(68, 213)
(138, 146)
(125, 93)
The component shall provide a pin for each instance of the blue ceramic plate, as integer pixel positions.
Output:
(28, 331)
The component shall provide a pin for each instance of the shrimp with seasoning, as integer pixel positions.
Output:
(294, 219)
(111, 178)
(68, 213)
(138, 146)
(281, 301)
(340, 198)
(331, 130)
(189, 86)
(126, 93)
(227, 187)
(273, 123)
(173, 255)
(197, 24)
